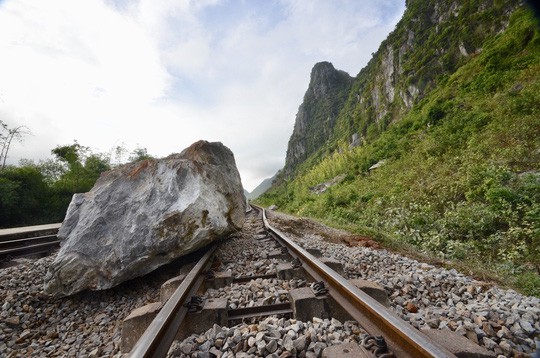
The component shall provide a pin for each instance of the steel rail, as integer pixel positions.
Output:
(29, 240)
(402, 339)
(28, 250)
(28, 231)
(28, 246)
(158, 337)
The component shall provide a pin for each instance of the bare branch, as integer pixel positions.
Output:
(7, 137)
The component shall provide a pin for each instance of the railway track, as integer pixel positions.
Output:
(321, 292)
(27, 241)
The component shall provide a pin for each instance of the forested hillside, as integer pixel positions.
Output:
(449, 108)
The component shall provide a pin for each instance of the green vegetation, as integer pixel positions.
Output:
(32, 194)
(461, 178)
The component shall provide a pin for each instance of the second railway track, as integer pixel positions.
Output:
(27, 241)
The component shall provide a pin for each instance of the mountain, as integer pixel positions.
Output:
(434, 144)
(315, 121)
(261, 188)
(431, 41)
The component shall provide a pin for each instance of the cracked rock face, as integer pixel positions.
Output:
(142, 215)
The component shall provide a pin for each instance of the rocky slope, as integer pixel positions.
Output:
(432, 40)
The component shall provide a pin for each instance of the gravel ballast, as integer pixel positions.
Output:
(272, 337)
(501, 320)
(89, 324)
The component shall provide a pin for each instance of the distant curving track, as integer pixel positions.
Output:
(401, 338)
(29, 240)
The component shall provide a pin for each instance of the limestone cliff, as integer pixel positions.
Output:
(316, 117)
(432, 40)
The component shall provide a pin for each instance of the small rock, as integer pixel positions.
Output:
(288, 343)
(271, 346)
(526, 326)
(13, 321)
(411, 307)
(300, 343)
(489, 343)
(472, 336)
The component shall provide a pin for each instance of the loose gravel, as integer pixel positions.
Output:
(247, 253)
(258, 292)
(87, 324)
(272, 337)
(501, 320)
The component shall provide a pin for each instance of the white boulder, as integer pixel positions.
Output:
(142, 215)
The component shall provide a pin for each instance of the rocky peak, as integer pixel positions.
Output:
(324, 79)
(208, 152)
(327, 92)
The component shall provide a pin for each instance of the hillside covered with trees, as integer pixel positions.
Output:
(437, 150)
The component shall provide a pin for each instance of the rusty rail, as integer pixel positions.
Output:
(402, 339)
(158, 337)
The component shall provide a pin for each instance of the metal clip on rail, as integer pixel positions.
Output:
(195, 304)
(209, 274)
(319, 288)
(296, 263)
(377, 346)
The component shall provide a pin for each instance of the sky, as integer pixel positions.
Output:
(163, 74)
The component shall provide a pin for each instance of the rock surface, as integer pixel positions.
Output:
(142, 215)
(316, 117)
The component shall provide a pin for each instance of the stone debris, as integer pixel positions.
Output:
(323, 187)
(258, 292)
(88, 324)
(501, 320)
(271, 337)
(243, 256)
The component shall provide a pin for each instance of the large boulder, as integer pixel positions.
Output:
(142, 215)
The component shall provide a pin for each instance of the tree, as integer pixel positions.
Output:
(72, 156)
(6, 138)
(139, 154)
(83, 169)
(119, 152)
(23, 196)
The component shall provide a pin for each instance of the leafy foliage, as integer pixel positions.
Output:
(40, 193)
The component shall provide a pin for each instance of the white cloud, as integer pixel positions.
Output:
(164, 74)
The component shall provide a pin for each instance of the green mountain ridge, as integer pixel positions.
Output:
(451, 103)
(261, 188)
